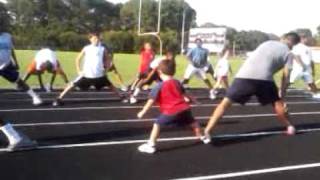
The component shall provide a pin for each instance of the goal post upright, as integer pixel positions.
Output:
(156, 33)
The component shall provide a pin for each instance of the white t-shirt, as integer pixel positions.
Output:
(45, 55)
(155, 63)
(222, 67)
(93, 66)
(305, 54)
(6, 47)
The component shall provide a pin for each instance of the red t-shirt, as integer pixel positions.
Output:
(170, 97)
(146, 57)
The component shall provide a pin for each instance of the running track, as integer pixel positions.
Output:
(94, 137)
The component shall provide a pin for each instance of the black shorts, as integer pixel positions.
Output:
(181, 119)
(85, 83)
(241, 91)
(210, 70)
(10, 73)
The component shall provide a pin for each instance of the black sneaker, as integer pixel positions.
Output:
(57, 102)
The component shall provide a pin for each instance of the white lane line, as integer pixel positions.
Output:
(102, 99)
(134, 107)
(113, 121)
(66, 99)
(125, 142)
(254, 172)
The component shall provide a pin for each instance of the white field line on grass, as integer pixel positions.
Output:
(135, 107)
(254, 172)
(173, 139)
(151, 120)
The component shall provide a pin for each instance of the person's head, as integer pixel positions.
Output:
(94, 38)
(170, 55)
(198, 42)
(48, 66)
(291, 39)
(147, 46)
(167, 67)
(304, 38)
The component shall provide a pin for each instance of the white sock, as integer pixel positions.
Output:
(32, 93)
(12, 135)
(136, 92)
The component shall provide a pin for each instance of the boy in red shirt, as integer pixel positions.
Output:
(174, 106)
(146, 57)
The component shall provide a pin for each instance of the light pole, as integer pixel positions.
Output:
(183, 27)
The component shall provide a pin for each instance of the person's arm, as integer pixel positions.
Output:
(106, 59)
(286, 75)
(78, 59)
(284, 82)
(146, 108)
(297, 59)
(14, 58)
(313, 69)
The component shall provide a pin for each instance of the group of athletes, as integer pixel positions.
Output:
(255, 78)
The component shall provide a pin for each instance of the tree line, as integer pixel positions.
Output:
(64, 24)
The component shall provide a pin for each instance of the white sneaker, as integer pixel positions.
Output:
(212, 94)
(291, 130)
(147, 148)
(133, 100)
(206, 139)
(124, 88)
(316, 96)
(36, 101)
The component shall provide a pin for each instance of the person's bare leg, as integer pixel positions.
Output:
(26, 77)
(154, 134)
(196, 129)
(313, 88)
(281, 111)
(134, 84)
(53, 77)
(66, 90)
(217, 114)
(40, 81)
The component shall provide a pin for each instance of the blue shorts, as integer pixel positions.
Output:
(241, 91)
(10, 73)
(182, 118)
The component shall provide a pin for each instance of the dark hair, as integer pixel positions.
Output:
(293, 37)
(49, 66)
(167, 67)
(198, 39)
(93, 33)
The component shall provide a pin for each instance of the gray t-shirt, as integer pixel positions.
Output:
(265, 61)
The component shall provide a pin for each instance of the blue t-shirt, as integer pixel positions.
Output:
(198, 57)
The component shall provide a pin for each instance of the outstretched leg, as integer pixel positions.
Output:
(281, 111)
(217, 114)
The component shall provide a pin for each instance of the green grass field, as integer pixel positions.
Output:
(127, 65)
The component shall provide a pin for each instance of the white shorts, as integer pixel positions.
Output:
(306, 76)
(191, 70)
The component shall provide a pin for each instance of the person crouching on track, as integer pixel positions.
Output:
(306, 70)
(93, 72)
(45, 60)
(146, 57)
(255, 78)
(9, 66)
(152, 76)
(222, 70)
(174, 106)
(17, 140)
(199, 65)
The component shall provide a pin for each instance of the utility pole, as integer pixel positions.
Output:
(183, 27)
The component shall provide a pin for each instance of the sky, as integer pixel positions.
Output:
(270, 16)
